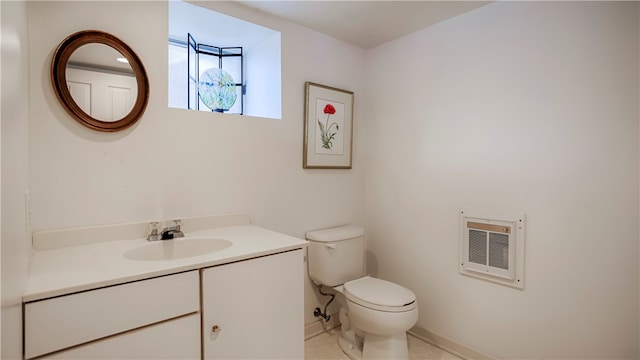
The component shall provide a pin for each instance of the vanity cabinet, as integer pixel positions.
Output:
(253, 309)
(244, 309)
(118, 315)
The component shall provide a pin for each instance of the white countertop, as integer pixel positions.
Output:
(71, 269)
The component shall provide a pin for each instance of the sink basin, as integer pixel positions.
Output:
(176, 249)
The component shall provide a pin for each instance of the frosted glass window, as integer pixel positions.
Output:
(178, 96)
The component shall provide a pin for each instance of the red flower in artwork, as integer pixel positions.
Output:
(329, 109)
(326, 135)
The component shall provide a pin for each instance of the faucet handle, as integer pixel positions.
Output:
(153, 231)
(177, 223)
(153, 228)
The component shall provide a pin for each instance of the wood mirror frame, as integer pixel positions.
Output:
(59, 79)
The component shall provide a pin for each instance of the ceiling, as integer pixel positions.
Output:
(365, 24)
(96, 56)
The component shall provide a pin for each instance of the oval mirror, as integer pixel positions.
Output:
(99, 80)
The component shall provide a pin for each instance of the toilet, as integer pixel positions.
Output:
(375, 314)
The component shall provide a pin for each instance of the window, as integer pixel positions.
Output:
(223, 64)
(492, 246)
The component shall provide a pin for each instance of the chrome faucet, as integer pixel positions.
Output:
(168, 233)
(172, 232)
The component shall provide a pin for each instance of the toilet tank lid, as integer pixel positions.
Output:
(336, 234)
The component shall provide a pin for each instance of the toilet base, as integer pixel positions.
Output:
(375, 347)
(386, 347)
(349, 348)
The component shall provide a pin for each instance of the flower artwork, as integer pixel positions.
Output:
(330, 121)
(328, 127)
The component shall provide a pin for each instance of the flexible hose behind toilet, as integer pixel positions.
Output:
(324, 314)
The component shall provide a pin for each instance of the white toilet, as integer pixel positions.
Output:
(375, 314)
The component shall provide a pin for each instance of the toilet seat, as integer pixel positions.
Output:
(381, 295)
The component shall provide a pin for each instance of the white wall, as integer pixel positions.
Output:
(15, 135)
(178, 163)
(552, 87)
(516, 105)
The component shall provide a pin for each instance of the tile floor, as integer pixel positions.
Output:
(325, 346)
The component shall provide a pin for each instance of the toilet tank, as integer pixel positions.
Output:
(336, 255)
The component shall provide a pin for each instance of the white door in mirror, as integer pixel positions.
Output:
(104, 96)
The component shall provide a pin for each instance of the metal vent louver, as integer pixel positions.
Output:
(499, 250)
(478, 247)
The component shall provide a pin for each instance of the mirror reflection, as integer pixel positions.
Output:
(101, 82)
(107, 95)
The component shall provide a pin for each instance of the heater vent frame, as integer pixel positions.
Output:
(492, 246)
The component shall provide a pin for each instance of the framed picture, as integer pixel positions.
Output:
(328, 127)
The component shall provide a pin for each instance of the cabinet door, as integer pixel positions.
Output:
(174, 339)
(255, 308)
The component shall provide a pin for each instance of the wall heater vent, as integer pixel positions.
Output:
(492, 246)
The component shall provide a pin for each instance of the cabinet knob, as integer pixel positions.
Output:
(215, 329)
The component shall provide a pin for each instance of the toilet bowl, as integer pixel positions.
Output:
(381, 312)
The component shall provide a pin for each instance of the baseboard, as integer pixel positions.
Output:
(448, 345)
(319, 326)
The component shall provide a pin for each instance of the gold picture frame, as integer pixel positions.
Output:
(328, 127)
